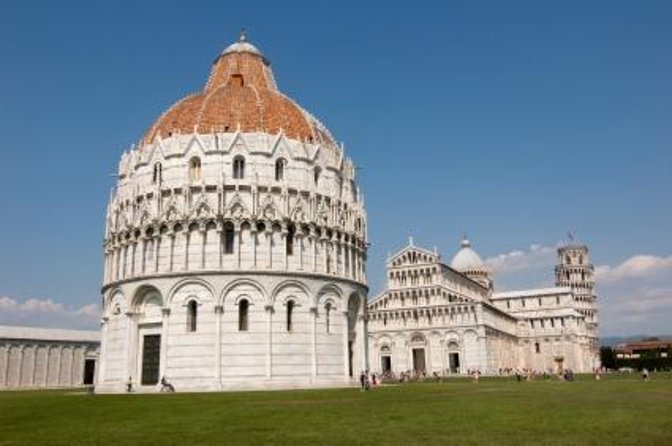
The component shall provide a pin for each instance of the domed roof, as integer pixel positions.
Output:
(242, 46)
(240, 95)
(466, 258)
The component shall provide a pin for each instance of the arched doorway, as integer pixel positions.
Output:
(148, 304)
(385, 359)
(453, 351)
(418, 347)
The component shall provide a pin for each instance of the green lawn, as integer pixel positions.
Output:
(494, 411)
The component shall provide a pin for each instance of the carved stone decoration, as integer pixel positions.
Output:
(236, 208)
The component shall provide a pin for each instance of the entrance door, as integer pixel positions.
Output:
(454, 362)
(386, 364)
(151, 356)
(89, 371)
(419, 360)
(350, 358)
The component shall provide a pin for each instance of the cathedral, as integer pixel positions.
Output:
(235, 245)
(443, 319)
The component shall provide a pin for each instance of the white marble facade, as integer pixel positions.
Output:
(237, 259)
(435, 318)
(38, 358)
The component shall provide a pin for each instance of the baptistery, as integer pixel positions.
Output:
(235, 245)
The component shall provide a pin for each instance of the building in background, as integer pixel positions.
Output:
(39, 358)
(235, 245)
(435, 318)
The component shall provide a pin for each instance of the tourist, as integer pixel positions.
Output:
(645, 374)
(129, 385)
(362, 381)
(166, 386)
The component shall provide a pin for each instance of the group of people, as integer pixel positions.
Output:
(368, 380)
(166, 386)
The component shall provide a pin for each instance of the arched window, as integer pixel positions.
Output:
(192, 312)
(243, 309)
(316, 175)
(229, 236)
(239, 167)
(290, 315)
(327, 316)
(156, 175)
(280, 169)
(580, 259)
(195, 169)
(537, 347)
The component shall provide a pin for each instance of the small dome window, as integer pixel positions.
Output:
(316, 176)
(239, 167)
(280, 169)
(195, 169)
(157, 174)
(237, 80)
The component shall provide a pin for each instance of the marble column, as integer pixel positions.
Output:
(313, 327)
(283, 247)
(254, 236)
(269, 237)
(219, 310)
(143, 252)
(45, 381)
(269, 342)
(361, 334)
(102, 365)
(204, 240)
(239, 243)
(346, 350)
(33, 371)
(155, 247)
(59, 364)
(163, 361)
(187, 239)
(130, 347)
(299, 240)
(133, 254)
(220, 244)
(19, 365)
(5, 371)
(313, 248)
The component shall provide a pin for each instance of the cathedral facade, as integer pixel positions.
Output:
(447, 319)
(235, 245)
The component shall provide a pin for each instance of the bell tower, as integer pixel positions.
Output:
(575, 270)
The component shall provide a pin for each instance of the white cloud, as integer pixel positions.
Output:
(47, 313)
(520, 260)
(638, 266)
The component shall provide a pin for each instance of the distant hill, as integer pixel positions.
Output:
(610, 341)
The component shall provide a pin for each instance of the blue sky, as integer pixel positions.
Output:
(512, 121)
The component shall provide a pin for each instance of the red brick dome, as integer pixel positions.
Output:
(240, 94)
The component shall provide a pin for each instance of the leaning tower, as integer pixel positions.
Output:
(575, 270)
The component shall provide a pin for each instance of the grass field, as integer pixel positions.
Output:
(494, 411)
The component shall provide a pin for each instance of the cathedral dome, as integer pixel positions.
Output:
(466, 258)
(240, 95)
